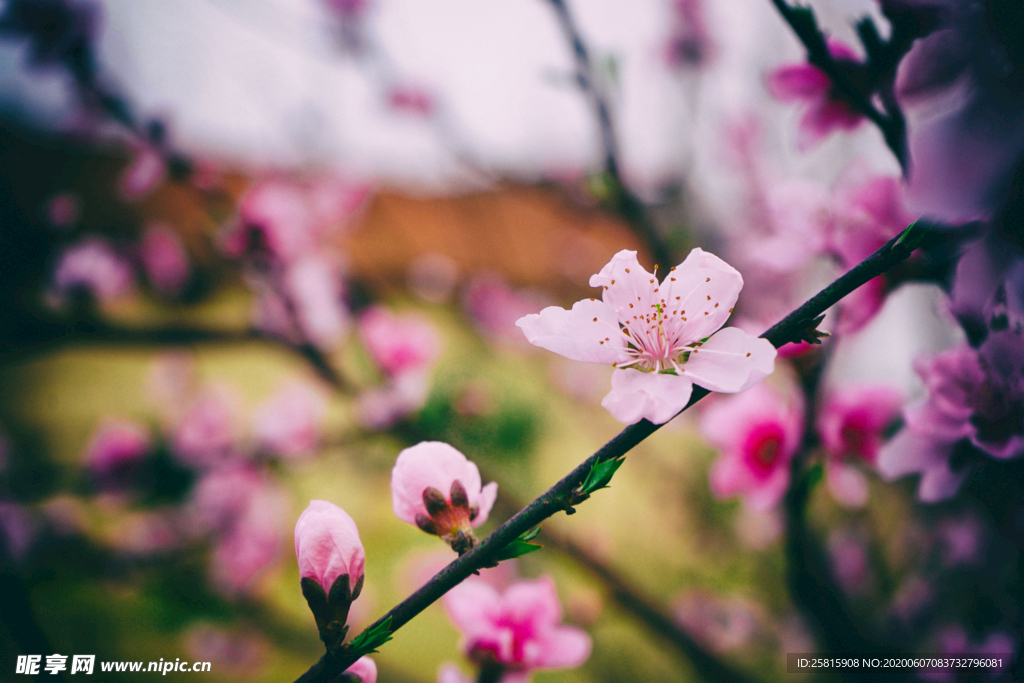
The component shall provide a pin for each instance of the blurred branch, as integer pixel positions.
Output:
(34, 337)
(645, 610)
(890, 122)
(558, 497)
(626, 203)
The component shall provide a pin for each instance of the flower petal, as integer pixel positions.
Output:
(488, 495)
(731, 361)
(588, 333)
(653, 396)
(703, 289)
(848, 485)
(798, 82)
(563, 647)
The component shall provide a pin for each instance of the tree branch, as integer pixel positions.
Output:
(558, 496)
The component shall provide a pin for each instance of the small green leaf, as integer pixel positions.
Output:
(367, 642)
(814, 476)
(911, 237)
(600, 475)
(519, 547)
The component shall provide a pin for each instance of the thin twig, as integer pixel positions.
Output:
(556, 498)
(627, 204)
(889, 123)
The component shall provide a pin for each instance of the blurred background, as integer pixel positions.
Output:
(253, 249)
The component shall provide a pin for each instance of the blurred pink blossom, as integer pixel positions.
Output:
(825, 110)
(973, 395)
(690, 43)
(398, 344)
(146, 170)
(757, 433)
(436, 488)
(116, 450)
(63, 210)
(316, 293)
(286, 220)
(205, 437)
(848, 559)
(18, 529)
(517, 629)
(403, 395)
(327, 545)
(961, 540)
(143, 534)
(237, 654)
(164, 258)
(412, 100)
(220, 499)
(95, 266)
(494, 308)
(720, 624)
(289, 423)
(246, 550)
(961, 90)
(953, 640)
(364, 670)
(449, 673)
(852, 423)
(654, 337)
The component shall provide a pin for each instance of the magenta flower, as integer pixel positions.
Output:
(436, 488)
(327, 546)
(398, 344)
(975, 398)
(94, 266)
(164, 259)
(363, 671)
(825, 109)
(115, 451)
(662, 338)
(517, 630)
(289, 423)
(852, 423)
(757, 434)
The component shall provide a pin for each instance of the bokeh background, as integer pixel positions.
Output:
(239, 182)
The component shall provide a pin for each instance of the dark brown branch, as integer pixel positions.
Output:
(626, 203)
(558, 496)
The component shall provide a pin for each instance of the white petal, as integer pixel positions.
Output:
(653, 396)
(589, 332)
(731, 361)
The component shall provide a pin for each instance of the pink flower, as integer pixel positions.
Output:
(289, 423)
(221, 498)
(146, 171)
(654, 333)
(436, 488)
(93, 265)
(719, 624)
(327, 546)
(826, 110)
(975, 397)
(205, 436)
(63, 210)
(116, 450)
(851, 424)
(757, 434)
(449, 673)
(518, 629)
(398, 344)
(164, 259)
(364, 671)
(848, 558)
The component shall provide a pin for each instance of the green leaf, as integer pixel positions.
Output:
(600, 475)
(367, 642)
(814, 476)
(519, 547)
(911, 237)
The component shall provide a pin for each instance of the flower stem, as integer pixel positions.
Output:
(555, 498)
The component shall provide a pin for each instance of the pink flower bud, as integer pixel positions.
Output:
(93, 265)
(365, 670)
(518, 629)
(327, 545)
(436, 488)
